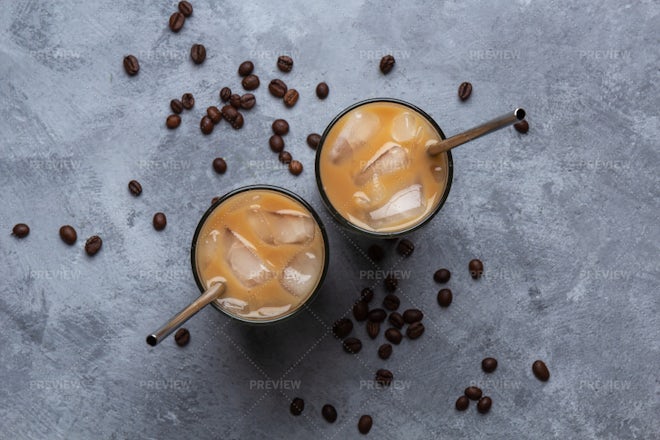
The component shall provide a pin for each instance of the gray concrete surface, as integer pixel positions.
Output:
(564, 218)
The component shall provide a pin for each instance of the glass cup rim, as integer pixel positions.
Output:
(286, 192)
(326, 201)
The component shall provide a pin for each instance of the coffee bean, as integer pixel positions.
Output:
(280, 126)
(313, 140)
(415, 330)
(360, 310)
(473, 393)
(367, 294)
(377, 315)
(373, 328)
(386, 64)
(384, 377)
(295, 167)
(232, 116)
(93, 245)
(385, 351)
(160, 221)
(237, 123)
(135, 188)
(462, 403)
(182, 337)
(364, 424)
(297, 406)
(352, 345)
(329, 413)
(445, 297)
(342, 327)
(484, 404)
(131, 65)
(476, 268)
(464, 91)
(396, 320)
(176, 21)
(214, 200)
(541, 371)
(248, 101)
(285, 157)
(276, 143)
(198, 53)
(277, 88)
(285, 63)
(20, 230)
(489, 365)
(405, 247)
(185, 8)
(250, 82)
(206, 125)
(225, 94)
(393, 335)
(441, 276)
(68, 234)
(322, 90)
(376, 252)
(291, 97)
(391, 302)
(391, 282)
(176, 106)
(219, 165)
(522, 126)
(213, 112)
(412, 315)
(245, 68)
(235, 101)
(173, 121)
(188, 101)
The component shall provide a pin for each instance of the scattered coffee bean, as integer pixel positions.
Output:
(322, 90)
(285, 157)
(235, 101)
(173, 121)
(277, 88)
(131, 65)
(280, 126)
(176, 106)
(214, 200)
(386, 64)
(176, 21)
(360, 310)
(476, 268)
(377, 315)
(391, 282)
(20, 230)
(405, 247)
(295, 167)
(489, 365)
(367, 294)
(68, 234)
(342, 327)
(250, 82)
(93, 245)
(385, 351)
(484, 404)
(462, 403)
(182, 337)
(185, 8)
(160, 221)
(391, 302)
(188, 101)
(393, 335)
(198, 53)
(541, 371)
(396, 320)
(352, 345)
(329, 413)
(364, 424)
(285, 63)
(445, 297)
(522, 126)
(464, 90)
(246, 68)
(206, 125)
(225, 94)
(213, 112)
(412, 315)
(248, 101)
(473, 393)
(276, 143)
(135, 188)
(441, 276)
(232, 116)
(291, 97)
(313, 140)
(373, 328)
(384, 377)
(219, 165)
(376, 252)
(238, 122)
(297, 406)
(415, 330)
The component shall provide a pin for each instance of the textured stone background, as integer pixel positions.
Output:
(565, 219)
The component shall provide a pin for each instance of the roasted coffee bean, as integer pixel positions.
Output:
(415, 330)
(235, 101)
(280, 126)
(377, 315)
(232, 116)
(160, 221)
(93, 245)
(313, 140)
(290, 97)
(464, 91)
(541, 371)
(238, 122)
(250, 82)
(188, 101)
(393, 335)
(462, 403)
(20, 230)
(386, 64)
(367, 294)
(322, 90)
(412, 315)
(489, 365)
(329, 413)
(198, 53)
(295, 167)
(176, 106)
(385, 351)
(213, 112)
(391, 282)
(391, 302)
(68, 234)
(185, 8)
(277, 88)
(131, 65)
(373, 328)
(484, 404)
(396, 320)
(206, 125)
(297, 406)
(405, 247)
(135, 188)
(364, 424)
(384, 377)
(173, 121)
(352, 345)
(522, 126)
(248, 101)
(182, 337)
(246, 68)
(445, 297)
(176, 21)
(342, 327)
(219, 165)
(276, 143)
(360, 310)
(476, 268)
(285, 63)
(473, 393)
(225, 94)
(285, 157)
(376, 252)
(441, 276)
(214, 200)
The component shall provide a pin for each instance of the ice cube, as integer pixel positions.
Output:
(405, 204)
(405, 127)
(285, 226)
(300, 276)
(360, 127)
(390, 158)
(242, 258)
(234, 305)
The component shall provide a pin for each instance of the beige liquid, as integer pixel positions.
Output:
(375, 171)
(267, 248)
